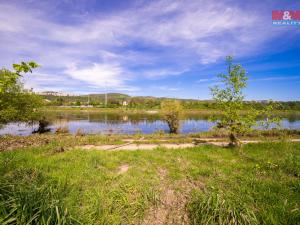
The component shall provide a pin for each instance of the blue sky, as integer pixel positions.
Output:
(158, 48)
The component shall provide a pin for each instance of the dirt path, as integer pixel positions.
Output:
(171, 207)
(174, 195)
(133, 146)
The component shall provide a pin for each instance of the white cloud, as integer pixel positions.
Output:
(100, 75)
(103, 76)
(103, 50)
(164, 72)
(47, 81)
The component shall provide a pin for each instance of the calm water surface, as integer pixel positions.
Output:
(95, 123)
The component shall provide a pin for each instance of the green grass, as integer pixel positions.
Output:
(257, 184)
(29, 198)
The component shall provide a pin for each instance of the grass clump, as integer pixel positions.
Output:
(216, 208)
(27, 198)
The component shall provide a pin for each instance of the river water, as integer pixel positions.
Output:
(103, 123)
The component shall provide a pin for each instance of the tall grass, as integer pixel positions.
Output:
(215, 208)
(27, 198)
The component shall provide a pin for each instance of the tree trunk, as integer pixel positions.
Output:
(233, 140)
(174, 127)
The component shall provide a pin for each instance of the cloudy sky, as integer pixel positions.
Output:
(159, 48)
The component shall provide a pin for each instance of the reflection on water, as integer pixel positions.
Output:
(122, 123)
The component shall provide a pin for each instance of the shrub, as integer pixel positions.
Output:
(172, 112)
(17, 104)
(229, 98)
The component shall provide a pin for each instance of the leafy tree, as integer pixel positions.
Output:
(230, 99)
(16, 104)
(172, 112)
(59, 101)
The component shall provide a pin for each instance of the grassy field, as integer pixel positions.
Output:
(48, 184)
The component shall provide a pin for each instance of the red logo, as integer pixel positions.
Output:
(286, 15)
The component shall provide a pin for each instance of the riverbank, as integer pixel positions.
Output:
(67, 140)
(125, 110)
(60, 181)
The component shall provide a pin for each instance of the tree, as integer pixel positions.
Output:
(59, 101)
(172, 112)
(78, 103)
(16, 104)
(230, 99)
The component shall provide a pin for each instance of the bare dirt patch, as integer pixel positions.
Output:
(171, 208)
(98, 147)
(185, 145)
(123, 168)
(138, 147)
(130, 146)
(134, 146)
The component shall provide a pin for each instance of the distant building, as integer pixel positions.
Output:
(124, 103)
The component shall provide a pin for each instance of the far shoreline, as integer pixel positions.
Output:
(148, 111)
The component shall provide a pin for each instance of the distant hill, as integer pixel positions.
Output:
(109, 95)
(57, 98)
(115, 100)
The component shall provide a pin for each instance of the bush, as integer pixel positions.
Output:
(172, 112)
(17, 104)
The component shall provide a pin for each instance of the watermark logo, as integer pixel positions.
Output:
(286, 17)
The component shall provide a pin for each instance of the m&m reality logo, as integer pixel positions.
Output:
(286, 17)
